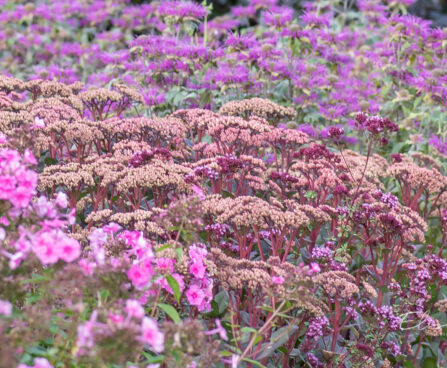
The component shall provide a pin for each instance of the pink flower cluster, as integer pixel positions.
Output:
(17, 182)
(38, 363)
(200, 292)
(47, 240)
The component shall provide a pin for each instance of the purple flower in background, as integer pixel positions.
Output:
(438, 143)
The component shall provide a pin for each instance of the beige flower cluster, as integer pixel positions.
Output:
(260, 107)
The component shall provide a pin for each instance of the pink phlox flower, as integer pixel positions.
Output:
(38, 363)
(165, 265)
(2, 138)
(314, 268)
(129, 237)
(134, 308)
(44, 246)
(98, 237)
(116, 319)
(15, 259)
(150, 334)
(42, 363)
(85, 332)
(4, 221)
(29, 158)
(87, 267)
(23, 244)
(278, 280)
(198, 191)
(72, 216)
(44, 207)
(69, 249)
(21, 197)
(5, 308)
(27, 179)
(53, 224)
(140, 275)
(61, 200)
(38, 123)
(112, 228)
(197, 252)
(195, 295)
(2, 234)
(197, 269)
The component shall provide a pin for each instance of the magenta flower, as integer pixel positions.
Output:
(38, 363)
(150, 334)
(134, 308)
(5, 308)
(278, 280)
(69, 249)
(140, 276)
(44, 246)
(62, 200)
(197, 269)
(195, 295)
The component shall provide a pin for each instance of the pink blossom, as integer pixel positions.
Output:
(42, 363)
(44, 207)
(4, 221)
(44, 246)
(21, 197)
(165, 265)
(134, 308)
(29, 158)
(2, 138)
(28, 180)
(112, 228)
(38, 363)
(116, 319)
(85, 332)
(195, 295)
(152, 335)
(62, 200)
(198, 191)
(2, 234)
(98, 237)
(140, 275)
(7, 186)
(69, 249)
(314, 268)
(277, 280)
(130, 237)
(197, 269)
(22, 244)
(15, 260)
(87, 267)
(38, 123)
(72, 216)
(5, 308)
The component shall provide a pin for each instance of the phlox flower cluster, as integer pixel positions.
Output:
(48, 241)
(200, 292)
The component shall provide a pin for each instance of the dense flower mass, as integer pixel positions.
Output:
(265, 187)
